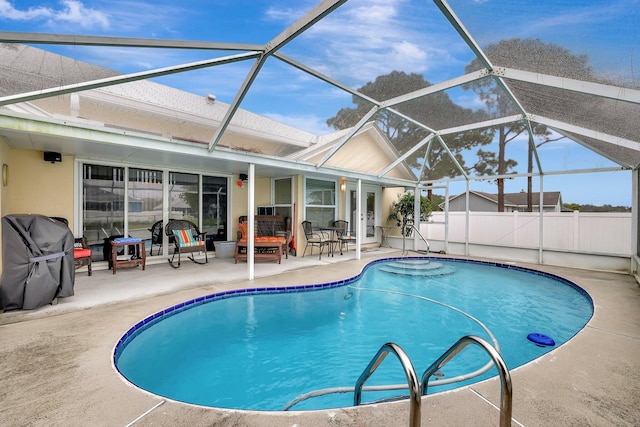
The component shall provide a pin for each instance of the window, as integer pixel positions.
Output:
(214, 206)
(283, 197)
(184, 200)
(102, 205)
(108, 204)
(144, 201)
(320, 202)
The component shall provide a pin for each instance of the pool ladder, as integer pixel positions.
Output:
(419, 389)
(416, 390)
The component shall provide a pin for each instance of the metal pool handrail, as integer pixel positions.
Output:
(404, 252)
(439, 382)
(505, 378)
(409, 371)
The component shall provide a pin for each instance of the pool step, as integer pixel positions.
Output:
(423, 268)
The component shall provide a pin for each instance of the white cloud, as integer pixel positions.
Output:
(362, 40)
(288, 15)
(71, 11)
(75, 12)
(307, 122)
(9, 12)
(469, 99)
(410, 55)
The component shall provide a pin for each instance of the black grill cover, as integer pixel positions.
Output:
(37, 261)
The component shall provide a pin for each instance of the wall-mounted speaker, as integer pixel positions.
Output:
(52, 156)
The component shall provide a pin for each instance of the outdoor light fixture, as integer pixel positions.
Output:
(242, 178)
(343, 186)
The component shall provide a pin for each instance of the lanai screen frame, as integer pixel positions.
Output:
(613, 147)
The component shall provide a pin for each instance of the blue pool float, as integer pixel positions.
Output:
(541, 340)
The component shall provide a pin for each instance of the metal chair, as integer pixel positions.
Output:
(314, 239)
(342, 234)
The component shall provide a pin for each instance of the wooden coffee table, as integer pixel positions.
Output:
(140, 257)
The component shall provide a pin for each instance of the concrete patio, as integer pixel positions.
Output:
(56, 370)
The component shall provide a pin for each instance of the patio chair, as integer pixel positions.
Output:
(82, 254)
(343, 235)
(187, 238)
(156, 236)
(314, 239)
(81, 251)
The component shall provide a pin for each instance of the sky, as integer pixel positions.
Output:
(357, 43)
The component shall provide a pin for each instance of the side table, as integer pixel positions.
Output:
(140, 257)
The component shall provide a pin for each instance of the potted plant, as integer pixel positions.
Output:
(402, 212)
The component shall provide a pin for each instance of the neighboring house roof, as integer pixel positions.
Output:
(517, 200)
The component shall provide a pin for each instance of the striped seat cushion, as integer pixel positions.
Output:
(185, 239)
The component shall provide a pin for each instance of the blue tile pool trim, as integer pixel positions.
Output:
(149, 321)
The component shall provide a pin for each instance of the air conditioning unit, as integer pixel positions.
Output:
(266, 210)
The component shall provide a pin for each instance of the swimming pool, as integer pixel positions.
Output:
(261, 348)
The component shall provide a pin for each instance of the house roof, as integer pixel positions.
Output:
(171, 104)
(370, 155)
(146, 108)
(594, 110)
(550, 198)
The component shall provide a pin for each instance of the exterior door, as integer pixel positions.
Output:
(369, 210)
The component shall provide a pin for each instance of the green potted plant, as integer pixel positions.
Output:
(402, 212)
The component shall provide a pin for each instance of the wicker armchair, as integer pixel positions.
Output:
(156, 236)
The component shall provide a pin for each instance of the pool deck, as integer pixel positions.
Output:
(56, 370)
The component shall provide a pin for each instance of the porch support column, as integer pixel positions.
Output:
(466, 220)
(417, 195)
(541, 232)
(251, 220)
(166, 213)
(359, 234)
(635, 224)
(446, 218)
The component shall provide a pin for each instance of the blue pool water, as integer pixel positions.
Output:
(261, 348)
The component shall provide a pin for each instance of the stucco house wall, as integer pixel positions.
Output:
(35, 186)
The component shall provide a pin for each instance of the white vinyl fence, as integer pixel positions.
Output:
(595, 241)
(601, 233)
(593, 233)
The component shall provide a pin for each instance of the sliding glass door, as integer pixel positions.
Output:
(120, 200)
